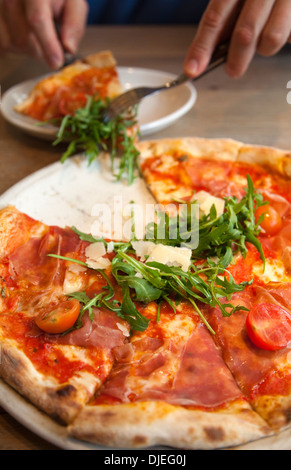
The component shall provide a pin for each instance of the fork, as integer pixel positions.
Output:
(132, 97)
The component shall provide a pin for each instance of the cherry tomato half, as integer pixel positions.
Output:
(272, 222)
(269, 326)
(59, 319)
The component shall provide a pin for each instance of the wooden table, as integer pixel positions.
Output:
(253, 109)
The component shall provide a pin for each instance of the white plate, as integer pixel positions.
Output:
(67, 194)
(71, 194)
(155, 112)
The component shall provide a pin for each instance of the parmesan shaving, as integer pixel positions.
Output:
(143, 248)
(206, 201)
(95, 251)
(95, 256)
(76, 268)
(110, 247)
(171, 256)
(101, 263)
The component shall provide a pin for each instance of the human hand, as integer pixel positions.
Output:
(28, 27)
(262, 26)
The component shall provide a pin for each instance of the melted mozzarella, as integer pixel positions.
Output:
(275, 271)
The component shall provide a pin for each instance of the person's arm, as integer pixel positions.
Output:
(28, 26)
(262, 26)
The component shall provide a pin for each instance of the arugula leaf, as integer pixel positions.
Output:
(87, 131)
(103, 299)
(125, 274)
(132, 267)
(87, 237)
(65, 258)
(130, 313)
(144, 291)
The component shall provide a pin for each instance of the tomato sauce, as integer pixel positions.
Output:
(242, 270)
(220, 178)
(46, 357)
(66, 99)
(275, 383)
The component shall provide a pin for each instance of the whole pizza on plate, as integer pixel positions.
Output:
(157, 342)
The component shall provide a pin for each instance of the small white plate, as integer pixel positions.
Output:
(155, 112)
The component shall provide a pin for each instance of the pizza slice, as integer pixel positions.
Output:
(57, 369)
(67, 90)
(254, 339)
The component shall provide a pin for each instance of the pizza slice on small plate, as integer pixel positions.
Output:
(65, 91)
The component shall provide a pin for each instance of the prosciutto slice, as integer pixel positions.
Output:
(30, 261)
(250, 365)
(106, 331)
(189, 373)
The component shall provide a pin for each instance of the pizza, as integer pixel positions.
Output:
(65, 91)
(156, 341)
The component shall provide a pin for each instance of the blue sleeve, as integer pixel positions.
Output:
(146, 11)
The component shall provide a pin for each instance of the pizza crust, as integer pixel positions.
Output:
(61, 401)
(145, 424)
(227, 149)
(100, 60)
(197, 147)
(268, 157)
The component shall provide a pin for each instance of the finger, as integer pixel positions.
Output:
(34, 47)
(40, 18)
(277, 30)
(210, 29)
(246, 33)
(73, 24)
